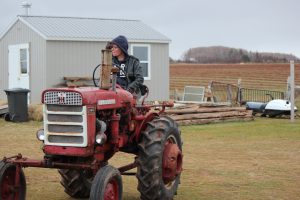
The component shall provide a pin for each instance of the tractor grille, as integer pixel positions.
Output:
(65, 125)
(62, 98)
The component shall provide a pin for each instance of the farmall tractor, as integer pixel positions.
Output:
(85, 126)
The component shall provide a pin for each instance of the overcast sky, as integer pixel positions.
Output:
(254, 25)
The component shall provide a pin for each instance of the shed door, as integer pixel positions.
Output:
(18, 72)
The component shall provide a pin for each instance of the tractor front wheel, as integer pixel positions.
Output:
(107, 184)
(11, 186)
(159, 160)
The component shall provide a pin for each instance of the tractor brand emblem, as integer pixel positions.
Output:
(106, 102)
(61, 97)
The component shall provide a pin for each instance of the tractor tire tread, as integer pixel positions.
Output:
(73, 183)
(150, 184)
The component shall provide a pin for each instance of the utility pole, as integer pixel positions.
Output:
(292, 82)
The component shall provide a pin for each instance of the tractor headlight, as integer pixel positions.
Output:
(101, 138)
(40, 135)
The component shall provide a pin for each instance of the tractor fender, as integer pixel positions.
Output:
(149, 117)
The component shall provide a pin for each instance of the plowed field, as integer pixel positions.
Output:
(258, 76)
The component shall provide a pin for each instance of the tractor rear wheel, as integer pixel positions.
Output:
(77, 183)
(107, 184)
(9, 189)
(159, 160)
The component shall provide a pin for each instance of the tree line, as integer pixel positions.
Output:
(220, 54)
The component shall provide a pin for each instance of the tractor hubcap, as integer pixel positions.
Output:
(111, 191)
(8, 187)
(172, 162)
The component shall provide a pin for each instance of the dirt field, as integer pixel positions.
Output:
(259, 76)
(252, 160)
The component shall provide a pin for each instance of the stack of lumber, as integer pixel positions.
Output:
(197, 114)
(78, 81)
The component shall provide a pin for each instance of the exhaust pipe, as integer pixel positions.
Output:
(104, 82)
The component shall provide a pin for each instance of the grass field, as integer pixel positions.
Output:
(250, 160)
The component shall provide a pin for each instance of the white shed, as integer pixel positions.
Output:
(36, 52)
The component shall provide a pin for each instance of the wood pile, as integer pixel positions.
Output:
(197, 114)
(78, 81)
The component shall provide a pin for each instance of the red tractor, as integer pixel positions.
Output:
(84, 127)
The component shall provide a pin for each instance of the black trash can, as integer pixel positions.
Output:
(17, 105)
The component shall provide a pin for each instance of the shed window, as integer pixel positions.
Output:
(24, 61)
(142, 52)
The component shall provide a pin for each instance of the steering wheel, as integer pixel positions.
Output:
(96, 80)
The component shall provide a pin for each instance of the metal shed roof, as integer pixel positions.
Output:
(91, 29)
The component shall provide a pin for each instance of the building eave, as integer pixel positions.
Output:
(8, 28)
(104, 40)
(32, 27)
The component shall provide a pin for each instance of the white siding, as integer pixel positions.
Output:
(20, 33)
(69, 58)
(159, 83)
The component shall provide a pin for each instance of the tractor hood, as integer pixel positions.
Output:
(104, 99)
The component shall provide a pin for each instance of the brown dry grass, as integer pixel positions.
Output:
(251, 160)
(35, 112)
(258, 160)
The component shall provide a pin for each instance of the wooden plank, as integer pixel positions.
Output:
(204, 110)
(208, 115)
(77, 78)
(214, 120)
(205, 103)
(79, 83)
(3, 109)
